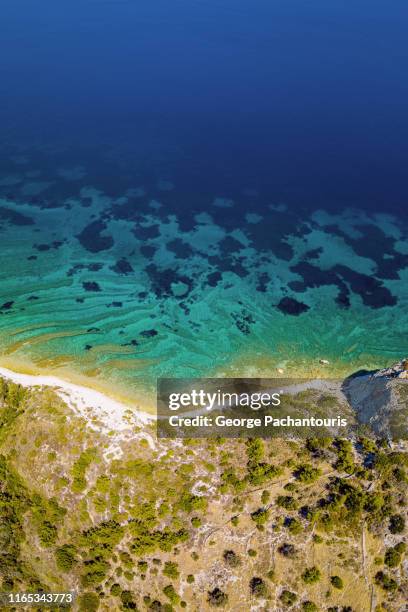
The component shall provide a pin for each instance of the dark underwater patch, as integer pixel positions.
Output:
(343, 299)
(147, 251)
(213, 278)
(91, 286)
(92, 240)
(229, 245)
(229, 263)
(370, 289)
(313, 277)
(376, 245)
(129, 211)
(313, 253)
(263, 280)
(162, 280)
(290, 306)
(122, 266)
(243, 322)
(47, 247)
(14, 217)
(146, 232)
(133, 342)
(92, 267)
(181, 249)
(148, 333)
(271, 233)
(7, 305)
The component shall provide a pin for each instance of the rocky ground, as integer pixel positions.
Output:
(304, 525)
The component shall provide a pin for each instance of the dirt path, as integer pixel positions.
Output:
(364, 554)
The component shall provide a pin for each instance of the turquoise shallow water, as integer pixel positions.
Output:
(202, 188)
(119, 289)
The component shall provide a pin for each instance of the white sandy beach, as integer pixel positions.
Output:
(101, 412)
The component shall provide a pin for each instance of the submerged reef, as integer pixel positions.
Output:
(207, 285)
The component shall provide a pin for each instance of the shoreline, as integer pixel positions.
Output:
(82, 400)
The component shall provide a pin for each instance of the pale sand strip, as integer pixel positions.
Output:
(85, 402)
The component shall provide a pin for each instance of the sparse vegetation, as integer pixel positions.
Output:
(385, 581)
(171, 570)
(309, 606)
(231, 558)
(258, 587)
(217, 598)
(288, 598)
(122, 529)
(397, 523)
(307, 474)
(311, 575)
(337, 582)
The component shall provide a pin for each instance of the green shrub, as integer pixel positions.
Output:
(260, 473)
(255, 449)
(127, 600)
(171, 594)
(392, 558)
(258, 587)
(309, 606)
(47, 533)
(337, 582)
(231, 558)
(345, 459)
(287, 597)
(66, 557)
(401, 547)
(385, 582)
(260, 516)
(307, 474)
(287, 502)
(80, 467)
(311, 575)
(107, 534)
(190, 503)
(397, 523)
(171, 570)
(316, 444)
(294, 526)
(96, 571)
(116, 589)
(217, 598)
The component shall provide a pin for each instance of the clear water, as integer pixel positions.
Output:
(202, 188)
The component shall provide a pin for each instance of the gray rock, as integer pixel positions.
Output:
(380, 399)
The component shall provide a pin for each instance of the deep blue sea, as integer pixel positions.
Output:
(305, 99)
(194, 186)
